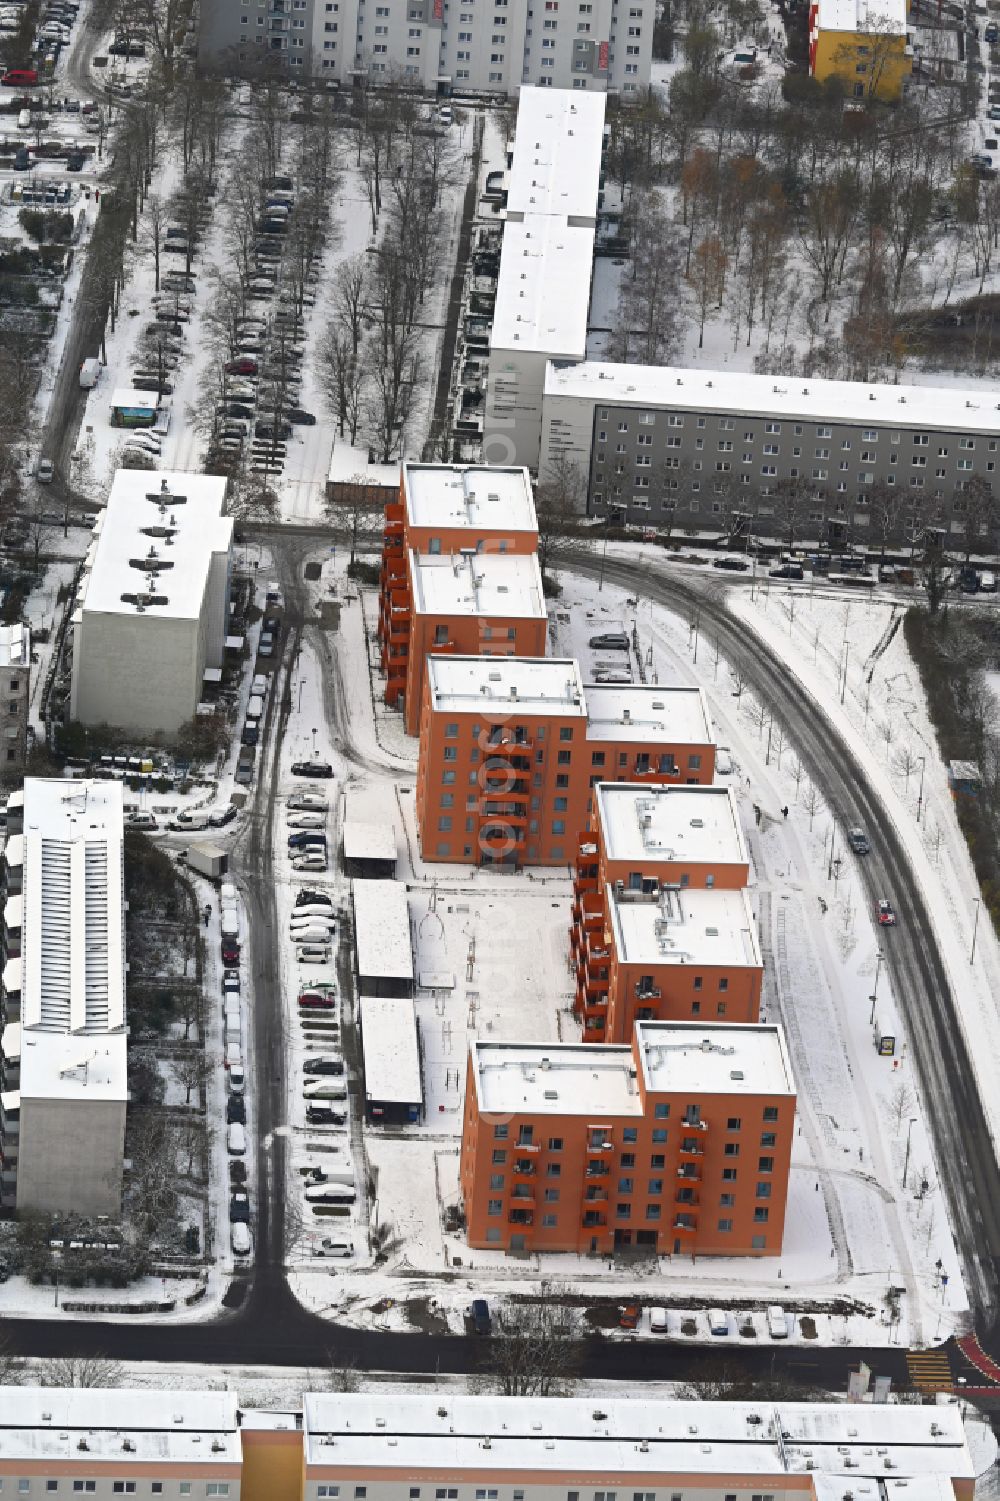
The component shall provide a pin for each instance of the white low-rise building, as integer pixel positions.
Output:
(65, 1088)
(151, 611)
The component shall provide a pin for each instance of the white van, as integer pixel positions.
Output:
(657, 1321)
(230, 923)
(718, 1322)
(330, 1193)
(234, 1033)
(314, 933)
(236, 1140)
(231, 1007)
(240, 1240)
(343, 1248)
(777, 1323)
(228, 895)
(255, 708)
(24, 120)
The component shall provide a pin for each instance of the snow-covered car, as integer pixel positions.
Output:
(884, 913)
(306, 821)
(307, 802)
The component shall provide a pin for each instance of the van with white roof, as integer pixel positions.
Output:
(777, 1322)
(718, 1322)
(236, 1140)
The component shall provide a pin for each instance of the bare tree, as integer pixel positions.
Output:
(193, 1071)
(535, 1351)
(83, 1371)
(902, 1103)
(812, 802)
(355, 512)
(560, 503)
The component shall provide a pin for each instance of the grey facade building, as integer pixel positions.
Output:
(732, 453)
(437, 46)
(15, 693)
(63, 1075)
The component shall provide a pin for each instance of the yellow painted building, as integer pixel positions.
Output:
(863, 44)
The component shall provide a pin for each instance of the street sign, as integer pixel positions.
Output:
(887, 1046)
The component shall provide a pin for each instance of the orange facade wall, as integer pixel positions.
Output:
(273, 1464)
(527, 780)
(588, 1185)
(465, 635)
(682, 993)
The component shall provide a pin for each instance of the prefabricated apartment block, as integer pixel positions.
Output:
(15, 692)
(64, 1077)
(680, 1142)
(724, 452)
(424, 46)
(546, 262)
(109, 1442)
(511, 748)
(152, 605)
(662, 923)
(443, 511)
(402, 1446)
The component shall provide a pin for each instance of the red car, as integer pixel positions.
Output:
(243, 366)
(628, 1316)
(885, 914)
(19, 78)
(315, 1000)
(230, 952)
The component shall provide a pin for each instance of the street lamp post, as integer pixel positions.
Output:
(920, 794)
(879, 956)
(906, 1160)
(975, 929)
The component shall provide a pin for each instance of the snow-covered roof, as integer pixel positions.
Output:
(382, 930)
(729, 1058)
(572, 1078)
(154, 541)
(15, 646)
(558, 142)
(495, 685)
(543, 289)
(651, 824)
(690, 926)
(73, 941)
(369, 841)
(10, 1041)
(125, 399)
(119, 1424)
(13, 850)
(883, 17)
(507, 585)
(391, 1051)
(482, 497)
(348, 463)
(888, 408)
(675, 716)
(444, 1435)
(13, 912)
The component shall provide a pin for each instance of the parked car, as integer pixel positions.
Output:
(313, 953)
(265, 646)
(787, 571)
(858, 840)
(306, 802)
(321, 769)
(45, 472)
(230, 982)
(245, 365)
(338, 1248)
(322, 1115)
(311, 861)
(236, 1110)
(301, 417)
(734, 565)
(478, 1316)
(224, 816)
(75, 161)
(307, 839)
(237, 1172)
(307, 821)
(306, 898)
(327, 1064)
(230, 951)
(317, 1000)
(884, 913)
(628, 1315)
(22, 158)
(610, 641)
(239, 1207)
(240, 1239)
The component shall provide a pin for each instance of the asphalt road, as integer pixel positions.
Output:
(967, 1163)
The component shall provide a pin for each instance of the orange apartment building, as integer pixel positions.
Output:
(662, 923)
(444, 510)
(511, 749)
(680, 1142)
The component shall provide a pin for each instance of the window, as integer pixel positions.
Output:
(726, 1201)
(660, 1139)
(767, 1139)
(733, 1123)
(729, 1175)
(551, 1196)
(770, 1112)
(655, 1186)
(758, 1242)
(661, 1111)
(555, 1143)
(760, 1216)
(553, 1170)
(725, 1225)
(772, 427)
(765, 1164)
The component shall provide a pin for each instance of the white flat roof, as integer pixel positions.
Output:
(348, 463)
(690, 926)
(13, 850)
(730, 1058)
(490, 584)
(572, 1078)
(886, 17)
(399, 1431)
(543, 290)
(124, 396)
(482, 497)
(73, 941)
(382, 930)
(186, 533)
(172, 1427)
(529, 685)
(879, 406)
(15, 646)
(676, 715)
(650, 824)
(391, 1051)
(369, 841)
(558, 142)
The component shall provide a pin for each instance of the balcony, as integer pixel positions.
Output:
(521, 1217)
(694, 1123)
(691, 1148)
(594, 1220)
(687, 1197)
(595, 1195)
(528, 1146)
(690, 1172)
(647, 992)
(686, 1224)
(495, 834)
(525, 1168)
(597, 1170)
(599, 1143)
